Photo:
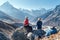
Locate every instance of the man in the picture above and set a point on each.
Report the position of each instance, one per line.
(39, 23)
(39, 32)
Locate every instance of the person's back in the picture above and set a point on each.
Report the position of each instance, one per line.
(39, 23)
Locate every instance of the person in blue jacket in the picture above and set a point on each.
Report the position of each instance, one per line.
(48, 32)
(39, 23)
(54, 30)
(51, 31)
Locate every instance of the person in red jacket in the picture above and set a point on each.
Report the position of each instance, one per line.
(26, 25)
(26, 22)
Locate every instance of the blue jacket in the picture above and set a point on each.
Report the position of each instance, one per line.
(54, 30)
(51, 31)
(39, 24)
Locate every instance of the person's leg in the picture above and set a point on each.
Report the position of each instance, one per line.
(29, 29)
(26, 29)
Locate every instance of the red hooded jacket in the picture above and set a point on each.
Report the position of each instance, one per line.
(26, 22)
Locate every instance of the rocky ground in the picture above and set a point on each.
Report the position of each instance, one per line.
(52, 37)
(12, 32)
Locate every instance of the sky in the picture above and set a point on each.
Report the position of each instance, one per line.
(32, 4)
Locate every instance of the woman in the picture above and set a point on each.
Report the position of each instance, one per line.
(26, 25)
(26, 22)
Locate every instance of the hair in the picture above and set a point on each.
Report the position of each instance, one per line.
(26, 16)
(39, 18)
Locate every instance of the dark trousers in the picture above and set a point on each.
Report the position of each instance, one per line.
(39, 27)
(28, 28)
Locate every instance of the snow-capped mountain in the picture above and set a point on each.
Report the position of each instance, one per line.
(12, 11)
(39, 12)
(54, 17)
(44, 15)
(36, 13)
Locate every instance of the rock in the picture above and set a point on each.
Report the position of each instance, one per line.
(3, 37)
(19, 35)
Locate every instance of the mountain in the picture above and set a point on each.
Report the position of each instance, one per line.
(43, 16)
(36, 13)
(12, 11)
(4, 16)
(27, 13)
(54, 18)
(51, 18)
(39, 12)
